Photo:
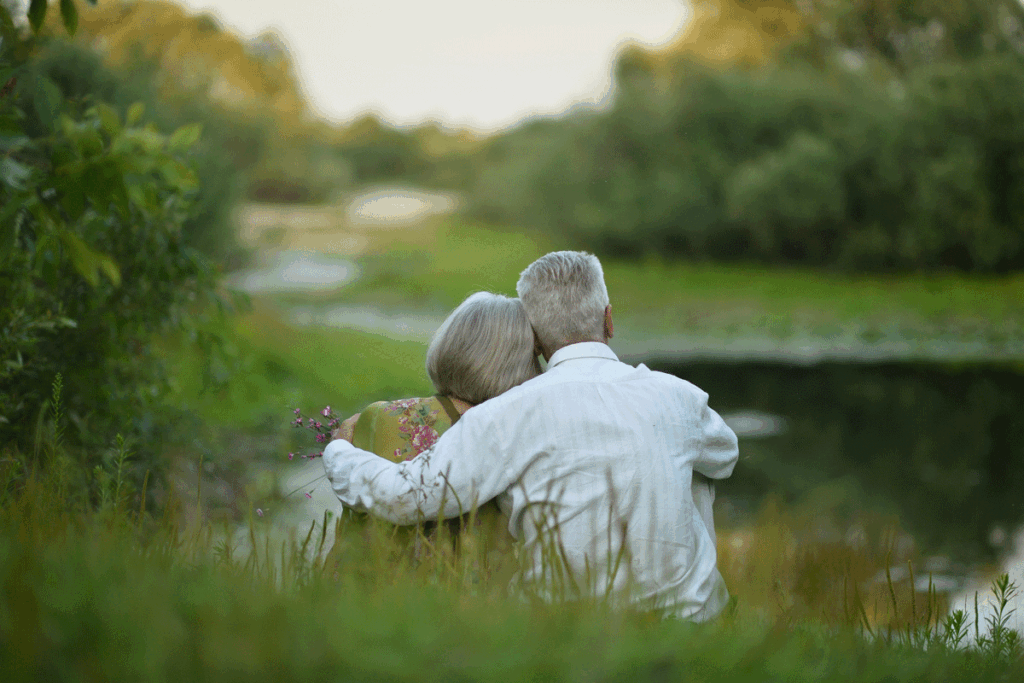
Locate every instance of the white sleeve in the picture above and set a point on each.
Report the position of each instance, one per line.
(713, 442)
(467, 466)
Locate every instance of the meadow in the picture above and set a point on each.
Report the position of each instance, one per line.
(154, 586)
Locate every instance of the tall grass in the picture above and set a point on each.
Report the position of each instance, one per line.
(103, 586)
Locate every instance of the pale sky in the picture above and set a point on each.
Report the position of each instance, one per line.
(484, 64)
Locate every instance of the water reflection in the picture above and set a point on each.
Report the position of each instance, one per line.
(296, 271)
(941, 446)
(398, 326)
(752, 424)
(398, 206)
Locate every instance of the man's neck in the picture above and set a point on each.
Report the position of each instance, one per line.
(547, 354)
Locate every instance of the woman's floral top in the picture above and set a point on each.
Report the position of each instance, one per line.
(401, 430)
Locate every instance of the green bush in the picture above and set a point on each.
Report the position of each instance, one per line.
(93, 258)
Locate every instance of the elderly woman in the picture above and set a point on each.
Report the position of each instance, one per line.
(484, 348)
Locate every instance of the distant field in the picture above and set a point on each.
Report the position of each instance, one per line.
(711, 300)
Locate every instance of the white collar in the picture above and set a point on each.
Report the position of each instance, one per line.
(581, 350)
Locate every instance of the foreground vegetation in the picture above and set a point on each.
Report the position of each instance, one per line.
(111, 591)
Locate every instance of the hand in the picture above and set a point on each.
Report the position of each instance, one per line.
(345, 429)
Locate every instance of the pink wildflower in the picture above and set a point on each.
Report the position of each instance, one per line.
(298, 422)
(309, 494)
(297, 411)
(291, 456)
(320, 438)
(423, 437)
(317, 425)
(326, 412)
(259, 512)
(310, 424)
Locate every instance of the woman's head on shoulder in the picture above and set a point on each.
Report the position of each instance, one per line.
(483, 349)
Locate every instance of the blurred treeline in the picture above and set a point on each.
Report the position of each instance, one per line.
(875, 135)
(262, 141)
(872, 135)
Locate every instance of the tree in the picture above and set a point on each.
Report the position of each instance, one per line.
(92, 259)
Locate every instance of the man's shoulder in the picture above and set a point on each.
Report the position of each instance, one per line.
(673, 383)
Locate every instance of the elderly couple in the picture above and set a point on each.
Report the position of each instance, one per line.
(607, 463)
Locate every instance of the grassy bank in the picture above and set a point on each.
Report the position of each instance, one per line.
(434, 266)
(108, 593)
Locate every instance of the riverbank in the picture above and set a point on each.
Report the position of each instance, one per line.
(412, 274)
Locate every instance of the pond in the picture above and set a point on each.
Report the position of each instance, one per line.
(940, 446)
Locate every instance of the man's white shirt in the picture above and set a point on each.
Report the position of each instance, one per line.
(590, 453)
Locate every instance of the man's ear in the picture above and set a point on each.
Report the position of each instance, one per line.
(609, 327)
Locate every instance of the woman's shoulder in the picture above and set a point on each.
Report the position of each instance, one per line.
(400, 430)
(403, 405)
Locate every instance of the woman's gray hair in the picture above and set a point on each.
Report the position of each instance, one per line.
(483, 349)
(565, 298)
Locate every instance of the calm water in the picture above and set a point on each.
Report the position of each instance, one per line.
(942, 447)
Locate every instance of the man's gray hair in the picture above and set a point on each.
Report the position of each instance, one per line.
(483, 349)
(565, 297)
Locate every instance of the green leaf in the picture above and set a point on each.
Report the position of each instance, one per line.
(186, 136)
(7, 30)
(47, 101)
(105, 184)
(72, 196)
(139, 142)
(135, 112)
(180, 175)
(89, 262)
(110, 269)
(14, 174)
(137, 196)
(109, 119)
(8, 228)
(36, 14)
(69, 13)
(84, 259)
(88, 142)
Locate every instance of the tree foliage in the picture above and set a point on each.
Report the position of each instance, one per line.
(93, 258)
(885, 135)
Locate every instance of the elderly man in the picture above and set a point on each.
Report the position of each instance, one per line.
(594, 461)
